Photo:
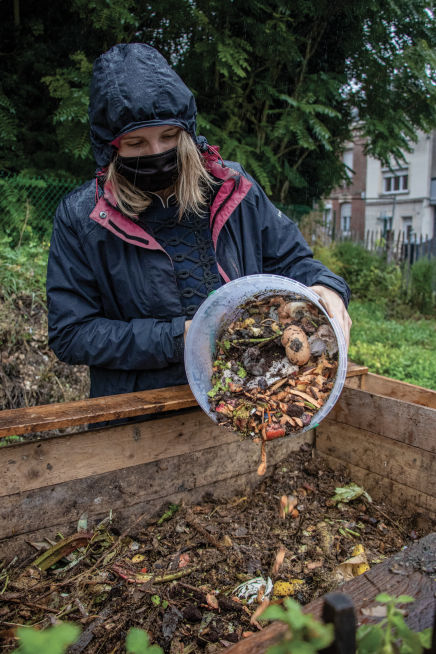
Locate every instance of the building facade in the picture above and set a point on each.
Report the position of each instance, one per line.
(344, 209)
(402, 197)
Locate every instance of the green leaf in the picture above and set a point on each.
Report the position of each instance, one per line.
(404, 599)
(274, 613)
(53, 640)
(425, 637)
(349, 493)
(369, 638)
(137, 642)
(384, 598)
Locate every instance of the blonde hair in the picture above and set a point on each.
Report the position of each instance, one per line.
(190, 188)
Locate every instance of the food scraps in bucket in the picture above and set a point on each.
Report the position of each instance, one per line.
(274, 369)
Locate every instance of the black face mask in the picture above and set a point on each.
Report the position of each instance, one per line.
(150, 172)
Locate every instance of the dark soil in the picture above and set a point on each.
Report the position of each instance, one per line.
(30, 373)
(175, 576)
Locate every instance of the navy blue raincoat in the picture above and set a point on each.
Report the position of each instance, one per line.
(113, 299)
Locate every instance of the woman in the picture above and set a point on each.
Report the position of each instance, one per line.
(136, 250)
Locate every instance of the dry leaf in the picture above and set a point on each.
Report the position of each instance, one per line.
(262, 467)
(212, 601)
(278, 561)
(312, 565)
(183, 560)
(353, 567)
(226, 541)
(375, 611)
(258, 612)
(287, 505)
(138, 558)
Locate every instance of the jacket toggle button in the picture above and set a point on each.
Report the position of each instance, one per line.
(103, 214)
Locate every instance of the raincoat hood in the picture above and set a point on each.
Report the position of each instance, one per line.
(133, 86)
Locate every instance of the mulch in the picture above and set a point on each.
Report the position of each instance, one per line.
(176, 575)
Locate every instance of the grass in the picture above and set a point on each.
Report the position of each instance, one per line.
(401, 349)
(23, 269)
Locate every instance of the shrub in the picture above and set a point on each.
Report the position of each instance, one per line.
(423, 285)
(355, 261)
(23, 269)
(328, 257)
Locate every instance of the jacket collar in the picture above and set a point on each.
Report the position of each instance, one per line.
(233, 189)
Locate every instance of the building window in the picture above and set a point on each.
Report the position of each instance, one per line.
(346, 218)
(433, 191)
(397, 182)
(327, 217)
(387, 223)
(347, 159)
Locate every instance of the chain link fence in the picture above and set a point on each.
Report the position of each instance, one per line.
(27, 206)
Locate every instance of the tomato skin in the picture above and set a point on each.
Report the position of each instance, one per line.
(274, 432)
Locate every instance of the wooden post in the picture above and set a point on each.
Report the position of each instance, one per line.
(397, 248)
(338, 609)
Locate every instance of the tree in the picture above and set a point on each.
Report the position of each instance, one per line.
(277, 84)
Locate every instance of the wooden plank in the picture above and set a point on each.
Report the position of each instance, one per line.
(400, 390)
(98, 409)
(415, 467)
(362, 591)
(52, 461)
(224, 471)
(356, 369)
(401, 421)
(113, 407)
(406, 499)
(355, 382)
(143, 481)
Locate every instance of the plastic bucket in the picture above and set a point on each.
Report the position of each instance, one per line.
(222, 307)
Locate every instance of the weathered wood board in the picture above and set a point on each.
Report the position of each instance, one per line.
(399, 390)
(387, 443)
(130, 469)
(136, 468)
(99, 409)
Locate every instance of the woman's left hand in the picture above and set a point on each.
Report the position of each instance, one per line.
(335, 308)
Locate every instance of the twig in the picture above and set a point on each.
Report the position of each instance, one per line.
(203, 532)
(33, 606)
(184, 572)
(391, 520)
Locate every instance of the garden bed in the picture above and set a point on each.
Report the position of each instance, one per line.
(230, 524)
(176, 575)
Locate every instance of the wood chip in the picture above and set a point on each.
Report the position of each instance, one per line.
(306, 397)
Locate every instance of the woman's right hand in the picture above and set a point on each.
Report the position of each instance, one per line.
(187, 325)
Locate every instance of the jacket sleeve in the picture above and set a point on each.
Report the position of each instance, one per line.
(285, 251)
(78, 331)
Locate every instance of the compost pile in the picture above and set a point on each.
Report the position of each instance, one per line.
(275, 367)
(193, 577)
(30, 372)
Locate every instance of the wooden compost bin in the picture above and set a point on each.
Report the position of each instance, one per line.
(382, 430)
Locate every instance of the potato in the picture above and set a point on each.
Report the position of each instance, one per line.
(296, 345)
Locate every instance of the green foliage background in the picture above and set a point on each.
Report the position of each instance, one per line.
(278, 84)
